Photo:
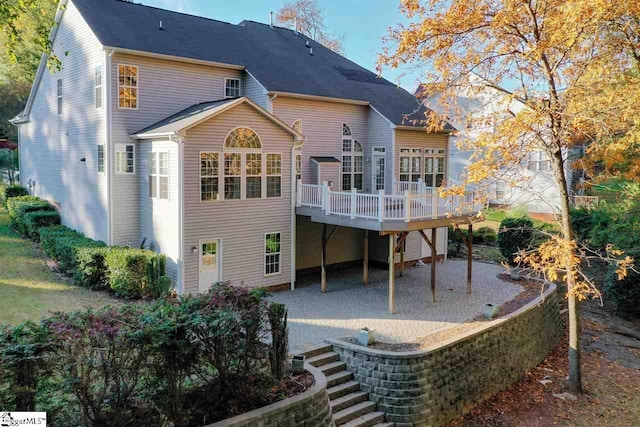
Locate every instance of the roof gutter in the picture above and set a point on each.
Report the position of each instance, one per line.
(422, 128)
(319, 98)
(174, 58)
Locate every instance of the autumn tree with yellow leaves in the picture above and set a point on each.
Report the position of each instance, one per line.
(573, 64)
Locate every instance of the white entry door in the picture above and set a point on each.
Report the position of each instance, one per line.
(378, 168)
(209, 264)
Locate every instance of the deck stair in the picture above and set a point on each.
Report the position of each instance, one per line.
(350, 406)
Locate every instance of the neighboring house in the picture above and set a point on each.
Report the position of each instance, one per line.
(532, 184)
(191, 134)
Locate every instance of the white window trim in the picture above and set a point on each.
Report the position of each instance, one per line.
(220, 176)
(382, 154)
(99, 87)
(218, 254)
(226, 79)
(118, 86)
(104, 159)
(158, 175)
(123, 148)
(59, 96)
(352, 154)
(266, 175)
(265, 254)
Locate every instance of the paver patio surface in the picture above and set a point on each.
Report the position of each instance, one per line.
(349, 305)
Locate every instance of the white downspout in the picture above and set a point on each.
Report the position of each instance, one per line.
(109, 147)
(294, 187)
(181, 261)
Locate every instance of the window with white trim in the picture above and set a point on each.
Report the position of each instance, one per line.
(538, 161)
(297, 125)
(501, 191)
(97, 86)
(272, 253)
(127, 87)
(434, 167)
(379, 165)
(405, 164)
(101, 158)
(231, 88)
(274, 175)
(125, 158)
(352, 161)
(59, 96)
(159, 175)
(209, 176)
(253, 171)
(232, 176)
(416, 164)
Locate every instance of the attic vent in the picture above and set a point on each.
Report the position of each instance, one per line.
(160, 26)
(310, 51)
(362, 76)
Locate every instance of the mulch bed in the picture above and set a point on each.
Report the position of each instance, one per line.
(532, 290)
(294, 385)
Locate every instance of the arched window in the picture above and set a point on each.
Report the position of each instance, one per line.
(352, 160)
(243, 138)
(297, 125)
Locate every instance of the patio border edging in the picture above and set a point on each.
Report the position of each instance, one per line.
(434, 385)
(309, 408)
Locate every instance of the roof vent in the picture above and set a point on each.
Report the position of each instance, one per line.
(271, 20)
(310, 51)
(160, 26)
(308, 43)
(295, 25)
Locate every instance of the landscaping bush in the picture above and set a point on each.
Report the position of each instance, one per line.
(186, 361)
(485, 236)
(19, 206)
(515, 234)
(91, 269)
(34, 221)
(12, 191)
(62, 243)
(625, 293)
(130, 271)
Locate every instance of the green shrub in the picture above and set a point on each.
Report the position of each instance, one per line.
(624, 294)
(35, 220)
(485, 236)
(12, 191)
(515, 234)
(19, 206)
(62, 243)
(129, 270)
(91, 269)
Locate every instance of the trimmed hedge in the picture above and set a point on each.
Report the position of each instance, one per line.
(91, 269)
(34, 221)
(485, 236)
(515, 234)
(19, 206)
(12, 191)
(62, 243)
(131, 272)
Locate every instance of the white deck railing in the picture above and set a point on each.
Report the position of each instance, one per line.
(380, 206)
(586, 202)
(413, 187)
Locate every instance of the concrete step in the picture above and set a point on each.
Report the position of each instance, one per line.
(384, 425)
(342, 389)
(316, 349)
(323, 359)
(348, 400)
(353, 412)
(367, 420)
(333, 367)
(339, 378)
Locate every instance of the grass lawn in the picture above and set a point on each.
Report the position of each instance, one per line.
(29, 290)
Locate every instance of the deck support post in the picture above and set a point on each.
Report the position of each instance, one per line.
(434, 259)
(402, 259)
(469, 257)
(392, 275)
(323, 260)
(365, 258)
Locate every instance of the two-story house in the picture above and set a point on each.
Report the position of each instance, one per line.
(243, 152)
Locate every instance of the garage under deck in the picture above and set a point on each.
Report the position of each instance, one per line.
(390, 215)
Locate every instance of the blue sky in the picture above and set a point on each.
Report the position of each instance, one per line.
(364, 22)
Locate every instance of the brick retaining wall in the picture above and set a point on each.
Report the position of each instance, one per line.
(432, 386)
(310, 408)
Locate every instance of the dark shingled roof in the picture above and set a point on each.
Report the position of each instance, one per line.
(277, 57)
(325, 159)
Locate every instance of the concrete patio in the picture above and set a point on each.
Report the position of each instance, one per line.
(349, 305)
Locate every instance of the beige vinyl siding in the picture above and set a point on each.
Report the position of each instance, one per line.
(254, 90)
(380, 134)
(345, 245)
(240, 224)
(164, 88)
(52, 145)
(329, 172)
(159, 223)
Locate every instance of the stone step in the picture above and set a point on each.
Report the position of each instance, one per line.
(339, 378)
(353, 412)
(367, 420)
(348, 400)
(342, 389)
(384, 425)
(316, 349)
(333, 367)
(323, 359)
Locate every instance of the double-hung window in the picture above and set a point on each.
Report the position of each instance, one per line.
(59, 97)
(538, 161)
(159, 175)
(434, 167)
(352, 161)
(101, 158)
(272, 253)
(253, 168)
(231, 88)
(405, 164)
(125, 158)
(127, 87)
(97, 86)
(232, 176)
(209, 176)
(416, 164)
(274, 175)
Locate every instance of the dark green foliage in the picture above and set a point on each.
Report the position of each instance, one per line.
(485, 236)
(625, 293)
(186, 361)
(279, 343)
(515, 234)
(34, 221)
(157, 283)
(62, 244)
(457, 241)
(91, 269)
(12, 191)
(19, 206)
(129, 270)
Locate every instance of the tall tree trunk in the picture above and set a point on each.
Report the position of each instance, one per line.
(575, 375)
